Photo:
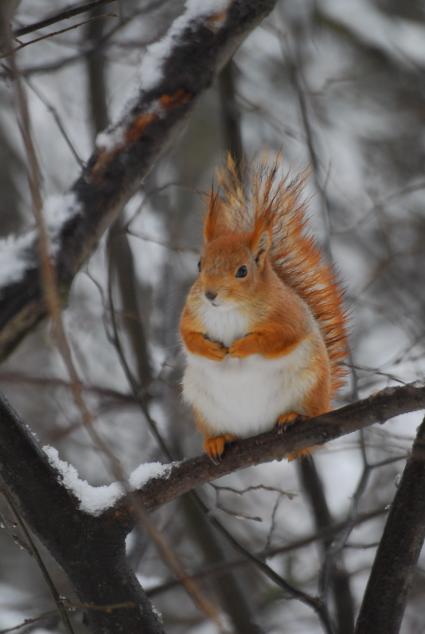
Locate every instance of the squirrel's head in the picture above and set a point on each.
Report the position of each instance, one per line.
(232, 267)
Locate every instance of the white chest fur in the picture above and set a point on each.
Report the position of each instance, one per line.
(245, 396)
(224, 325)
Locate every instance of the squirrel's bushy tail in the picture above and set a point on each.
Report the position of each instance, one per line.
(273, 200)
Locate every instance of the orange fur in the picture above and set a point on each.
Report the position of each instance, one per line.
(271, 342)
(214, 445)
(198, 343)
(276, 202)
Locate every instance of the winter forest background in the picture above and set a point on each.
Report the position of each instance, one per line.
(336, 85)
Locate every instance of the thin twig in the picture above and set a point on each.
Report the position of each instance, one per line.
(29, 621)
(12, 51)
(60, 16)
(58, 121)
(45, 573)
(221, 567)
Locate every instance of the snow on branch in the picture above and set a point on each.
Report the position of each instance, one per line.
(95, 500)
(175, 72)
(18, 253)
(156, 484)
(274, 445)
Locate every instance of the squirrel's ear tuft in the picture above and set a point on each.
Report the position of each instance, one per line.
(211, 220)
(260, 245)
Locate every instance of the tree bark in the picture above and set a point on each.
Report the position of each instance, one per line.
(385, 598)
(90, 550)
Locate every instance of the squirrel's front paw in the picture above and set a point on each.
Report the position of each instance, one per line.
(215, 350)
(241, 348)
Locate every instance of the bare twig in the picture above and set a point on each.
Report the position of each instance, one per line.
(51, 382)
(45, 573)
(60, 16)
(221, 567)
(58, 121)
(30, 621)
(47, 36)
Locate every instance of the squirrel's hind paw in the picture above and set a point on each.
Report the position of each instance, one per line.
(214, 445)
(301, 453)
(285, 421)
(289, 418)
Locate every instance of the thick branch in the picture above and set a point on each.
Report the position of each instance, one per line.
(92, 553)
(125, 155)
(185, 476)
(386, 593)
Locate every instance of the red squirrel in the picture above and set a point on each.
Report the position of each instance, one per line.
(263, 326)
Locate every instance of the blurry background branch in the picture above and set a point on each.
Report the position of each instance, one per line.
(59, 16)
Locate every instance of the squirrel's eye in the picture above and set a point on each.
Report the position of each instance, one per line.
(199, 265)
(242, 271)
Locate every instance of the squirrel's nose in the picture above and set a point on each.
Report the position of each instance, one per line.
(210, 295)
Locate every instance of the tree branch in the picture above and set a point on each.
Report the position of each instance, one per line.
(389, 582)
(126, 153)
(273, 445)
(91, 552)
(70, 12)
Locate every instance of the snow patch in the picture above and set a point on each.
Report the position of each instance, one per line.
(154, 58)
(96, 499)
(58, 209)
(114, 137)
(147, 471)
(157, 613)
(17, 252)
(158, 52)
(110, 138)
(15, 255)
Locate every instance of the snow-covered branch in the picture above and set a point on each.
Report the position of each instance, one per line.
(175, 72)
(184, 476)
(89, 550)
(156, 484)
